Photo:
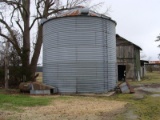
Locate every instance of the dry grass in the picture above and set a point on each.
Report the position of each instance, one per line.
(71, 108)
(117, 107)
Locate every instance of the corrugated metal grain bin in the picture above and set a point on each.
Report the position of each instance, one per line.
(79, 54)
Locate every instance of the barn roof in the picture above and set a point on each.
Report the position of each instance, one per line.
(119, 37)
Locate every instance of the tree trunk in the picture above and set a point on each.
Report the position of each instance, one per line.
(37, 51)
(26, 41)
(6, 66)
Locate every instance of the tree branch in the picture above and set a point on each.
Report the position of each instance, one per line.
(12, 14)
(37, 18)
(20, 26)
(53, 11)
(13, 40)
(38, 6)
(51, 3)
(17, 3)
(7, 26)
(6, 37)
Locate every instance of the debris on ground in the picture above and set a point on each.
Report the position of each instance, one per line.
(125, 87)
(36, 88)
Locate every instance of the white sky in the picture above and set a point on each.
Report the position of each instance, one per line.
(138, 21)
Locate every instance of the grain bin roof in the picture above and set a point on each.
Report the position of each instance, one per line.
(78, 11)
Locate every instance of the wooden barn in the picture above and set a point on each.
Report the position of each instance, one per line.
(128, 59)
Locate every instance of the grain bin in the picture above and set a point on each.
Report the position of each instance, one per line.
(79, 52)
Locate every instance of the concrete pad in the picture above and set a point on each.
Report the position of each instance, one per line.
(40, 92)
(95, 95)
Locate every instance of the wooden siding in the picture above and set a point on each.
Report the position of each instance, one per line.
(125, 53)
(128, 54)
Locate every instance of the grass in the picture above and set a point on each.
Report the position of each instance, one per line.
(150, 78)
(16, 101)
(147, 108)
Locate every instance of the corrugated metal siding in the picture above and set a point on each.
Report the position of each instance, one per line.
(79, 54)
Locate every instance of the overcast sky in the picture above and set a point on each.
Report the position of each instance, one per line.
(138, 21)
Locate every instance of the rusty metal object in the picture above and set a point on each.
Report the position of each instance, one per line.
(27, 86)
(130, 88)
(125, 87)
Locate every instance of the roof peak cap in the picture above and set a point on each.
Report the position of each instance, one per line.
(84, 10)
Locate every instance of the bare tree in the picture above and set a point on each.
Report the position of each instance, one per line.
(10, 65)
(24, 15)
(157, 40)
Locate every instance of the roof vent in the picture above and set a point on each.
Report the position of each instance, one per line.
(84, 11)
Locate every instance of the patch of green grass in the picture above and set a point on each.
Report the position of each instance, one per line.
(122, 97)
(150, 78)
(16, 101)
(148, 108)
(145, 109)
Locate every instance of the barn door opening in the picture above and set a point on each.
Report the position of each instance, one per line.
(121, 72)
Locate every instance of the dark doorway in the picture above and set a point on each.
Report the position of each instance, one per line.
(121, 72)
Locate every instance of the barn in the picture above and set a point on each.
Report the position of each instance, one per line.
(128, 59)
(79, 52)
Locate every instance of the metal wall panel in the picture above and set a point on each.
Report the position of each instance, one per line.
(79, 54)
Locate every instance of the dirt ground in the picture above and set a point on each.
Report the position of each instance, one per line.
(142, 90)
(88, 108)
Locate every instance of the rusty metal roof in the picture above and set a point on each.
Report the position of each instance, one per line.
(79, 11)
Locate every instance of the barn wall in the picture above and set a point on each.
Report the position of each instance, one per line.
(129, 55)
(137, 63)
